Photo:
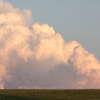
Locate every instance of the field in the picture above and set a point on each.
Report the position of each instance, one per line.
(32, 94)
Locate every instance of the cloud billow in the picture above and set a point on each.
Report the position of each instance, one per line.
(39, 58)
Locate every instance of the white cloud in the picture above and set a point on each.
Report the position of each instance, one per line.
(37, 57)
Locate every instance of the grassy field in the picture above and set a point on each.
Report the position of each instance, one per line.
(33, 94)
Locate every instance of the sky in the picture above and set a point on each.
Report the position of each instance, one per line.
(49, 44)
(77, 20)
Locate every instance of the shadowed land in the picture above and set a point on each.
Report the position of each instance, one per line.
(46, 94)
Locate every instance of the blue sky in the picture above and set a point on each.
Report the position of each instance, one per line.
(77, 20)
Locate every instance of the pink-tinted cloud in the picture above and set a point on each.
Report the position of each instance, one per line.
(37, 57)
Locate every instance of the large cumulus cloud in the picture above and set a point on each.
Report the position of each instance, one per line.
(37, 57)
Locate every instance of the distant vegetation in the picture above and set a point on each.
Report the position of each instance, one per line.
(32, 94)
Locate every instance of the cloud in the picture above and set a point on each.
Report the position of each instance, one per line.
(37, 57)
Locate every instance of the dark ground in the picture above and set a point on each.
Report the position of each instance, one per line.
(33, 94)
